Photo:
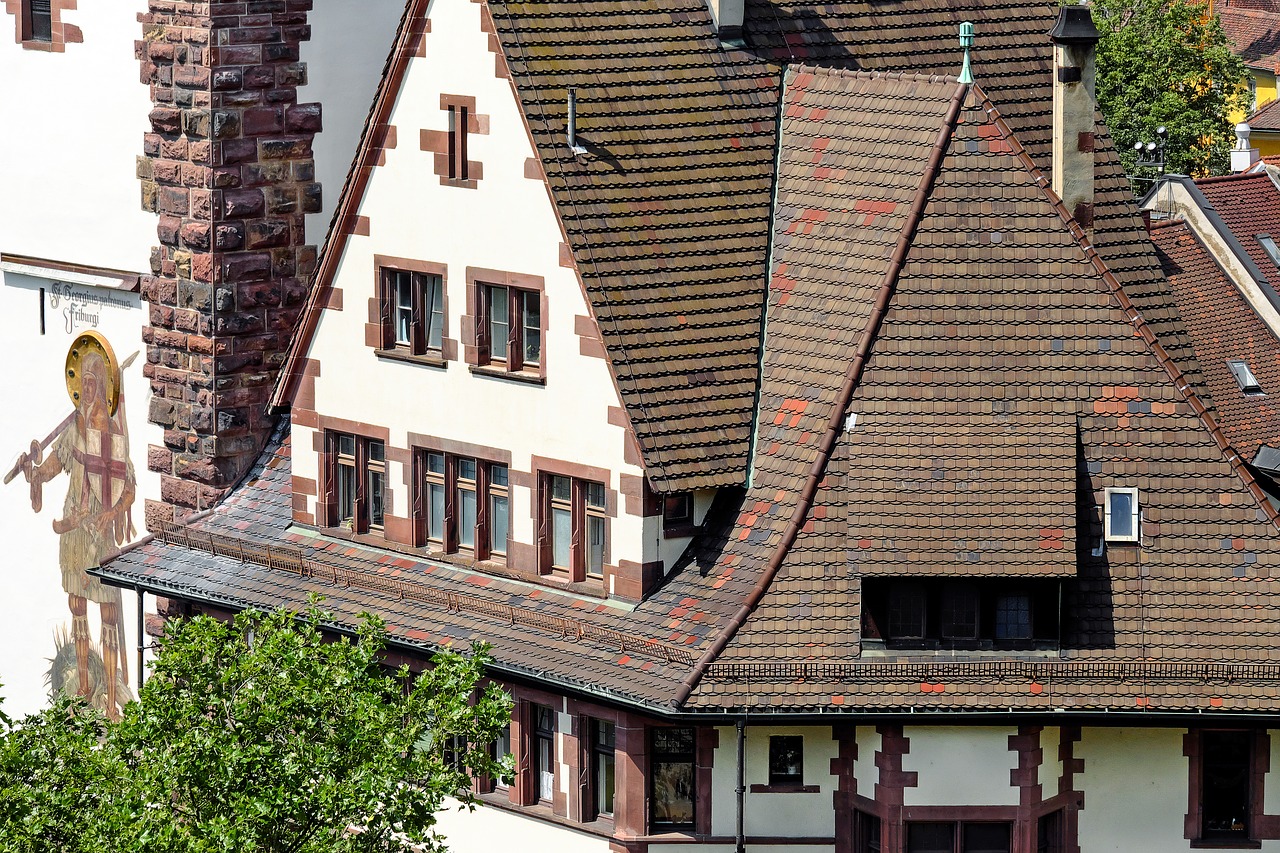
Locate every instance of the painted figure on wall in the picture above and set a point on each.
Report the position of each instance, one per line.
(92, 447)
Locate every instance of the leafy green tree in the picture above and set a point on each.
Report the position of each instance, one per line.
(1168, 63)
(260, 735)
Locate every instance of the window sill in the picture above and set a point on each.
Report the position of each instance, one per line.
(426, 359)
(509, 375)
(1225, 844)
(786, 789)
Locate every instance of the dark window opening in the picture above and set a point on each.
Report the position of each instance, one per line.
(458, 142)
(672, 788)
(967, 837)
(978, 614)
(40, 15)
(602, 767)
(357, 475)
(1050, 833)
(786, 760)
(866, 833)
(1226, 763)
(677, 513)
(543, 753)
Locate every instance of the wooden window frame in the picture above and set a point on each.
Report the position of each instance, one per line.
(362, 467)
(450, 480)
(677, 515)
(1259, 759)
(580, 511)
(422, 312)
(514, 359)
(957, 831)
(459, 117)
(595, 752)
(535, 736)
(933, 596)
(691, 758)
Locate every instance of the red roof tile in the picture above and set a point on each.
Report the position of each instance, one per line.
(1255, 34)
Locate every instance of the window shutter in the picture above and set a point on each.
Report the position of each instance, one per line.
(386, 302)
(515, 329)
(544, 511)
(325, 514)
(482, 511)
(41, 25)
(577, 549)
(450, 503)
(417, 333)
(419, 489)
(360, 523)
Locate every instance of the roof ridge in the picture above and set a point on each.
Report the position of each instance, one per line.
(858, 73)
(853, 374)
(1238, 176)
(1140, 327)
(411, 27)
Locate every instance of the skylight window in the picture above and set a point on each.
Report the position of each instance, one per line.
(1244, 376)
(1122, 515)
(1273, 251)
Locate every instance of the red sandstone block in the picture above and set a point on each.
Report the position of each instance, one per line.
(259, 77)
(239, 150)
(202, 267)
(158, 51)
(228, 235)
(180, 493)
(191, 77)
(304, 118)
(247, 54)
(173, 149)
(172, 200)
(253, 35)
(201, 152)
(241, 203)
(202, 202)
(246, 267)
(262, 120)
(196, 235)
(227, 79)
(159, 459)
(165, 119)
(167, 230)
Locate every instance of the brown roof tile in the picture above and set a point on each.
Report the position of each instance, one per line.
(1255, 34)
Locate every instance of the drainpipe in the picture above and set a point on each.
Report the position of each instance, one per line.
(141, 636)
(740, 844)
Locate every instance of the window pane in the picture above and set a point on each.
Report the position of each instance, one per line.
(467, 518)
(866, 833)
(595, 545)
(347, 445)
(532, 335)
(1013, 617)
(546, 770)
(498, 475)
(346, 493)
(673, 741)
(377, 451)
(986, 838)
(543, 720)
(677, 509)
(435, 463)
(498, 325)
(404, 306)
(929, 837)
(561, 488)
(604, 782)
(906, 611)
(1225, 768)
(604, 735)
(1121, 512)
(467, 469)
(435, 308)
(375, 497)
(561, 537)
(435, 511)
(673, 792)
(959, 612)
(786, 759)
(595, 495)
(498, 520)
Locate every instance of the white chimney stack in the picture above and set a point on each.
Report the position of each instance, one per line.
(1075, 75)
(1242, 156)
(727, 15)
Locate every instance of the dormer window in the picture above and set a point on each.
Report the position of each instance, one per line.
(1272, 250)
(1122, 517)
(1244, 376)
(934, 613)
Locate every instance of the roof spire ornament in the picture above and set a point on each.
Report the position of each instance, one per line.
(966, 42)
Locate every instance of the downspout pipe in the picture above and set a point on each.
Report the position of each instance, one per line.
(138, 590)
(740, 839)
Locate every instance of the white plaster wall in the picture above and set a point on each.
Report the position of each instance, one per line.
(508, 223)
(71, 132)
(34, 604)
(865, 771)
(1050, 770)
(769, 814)
(960, 766)
(491, 829)
(1135, 784)
(350, 40)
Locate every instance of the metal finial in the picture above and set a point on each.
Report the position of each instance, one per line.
(966, 42)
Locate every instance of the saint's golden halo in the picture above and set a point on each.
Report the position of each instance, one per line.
(82, 348)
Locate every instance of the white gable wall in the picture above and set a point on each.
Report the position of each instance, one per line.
(507, 223)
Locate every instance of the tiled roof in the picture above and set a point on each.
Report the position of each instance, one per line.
(665, 212)
(999, 315)
(1255, 33)
(1266, 118)
(1272, 6)
(1223, 327)
(1249, 204)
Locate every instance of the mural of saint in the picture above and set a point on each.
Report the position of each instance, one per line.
(92, 448)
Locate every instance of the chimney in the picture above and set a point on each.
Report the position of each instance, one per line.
(1242, 156)
(1074, 38)
(727, 16)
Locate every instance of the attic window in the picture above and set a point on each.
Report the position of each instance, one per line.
(1244, 376)
(1122, 515)
(1273, 251)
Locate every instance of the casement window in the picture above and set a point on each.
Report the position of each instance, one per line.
(677, 514)
(462, 504)
(672, 785)
(357, 473)
(1051, 833)
(499, 749)
(39, 20)
(542, 752)
(602, 760)
(574, 528)
(932, 613)
(1225, 764)
(455, 753)
(1122, 518)
(959, 837)
(412, 312)
(458, 115)
(786, 760)
(509, 327)
(866, 832)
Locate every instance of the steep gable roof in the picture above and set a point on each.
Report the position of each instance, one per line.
(1255, 34)
(1000, 321)
(1249, 204)
(1223, 328)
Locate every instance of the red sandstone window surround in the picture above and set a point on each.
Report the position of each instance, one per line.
(39, 24)
(461, 503)
(356, 473)
(1225, 797)
(412, 312)
(509, 327)
(573, 527)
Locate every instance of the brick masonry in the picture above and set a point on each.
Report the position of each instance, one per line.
(229, 169)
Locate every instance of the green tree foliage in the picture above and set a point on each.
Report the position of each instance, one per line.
(1166, 62)
(256, 735)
